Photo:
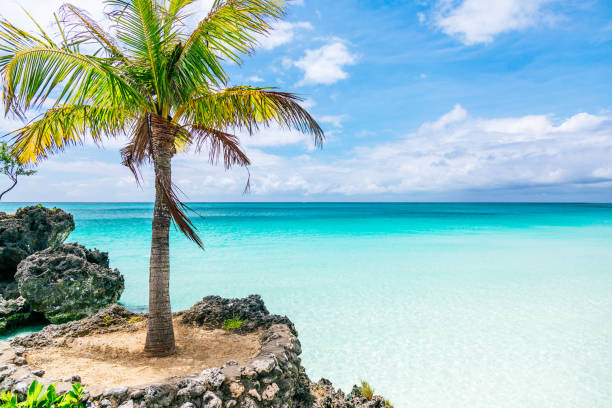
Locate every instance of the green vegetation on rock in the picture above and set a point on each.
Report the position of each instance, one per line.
(66, 317)
(233, 323)
(366, 390)
(135, 319)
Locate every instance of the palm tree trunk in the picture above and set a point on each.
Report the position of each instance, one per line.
(160, 333)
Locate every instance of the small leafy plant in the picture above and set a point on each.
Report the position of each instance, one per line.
(388, 404)
(366, 390)
(106, 320)
(39, 397)
(135, 319)
(233, 323)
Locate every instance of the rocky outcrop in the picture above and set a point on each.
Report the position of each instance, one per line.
(110, 319)
(212, 311)
(68, 282)
(326, 396)
(13, 312)
(274, 378)
(31, 229)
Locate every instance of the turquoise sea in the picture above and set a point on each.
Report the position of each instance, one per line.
(436, 305)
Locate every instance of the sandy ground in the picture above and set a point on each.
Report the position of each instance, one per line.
(115, 359)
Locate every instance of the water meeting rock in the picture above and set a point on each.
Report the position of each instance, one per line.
(29, 230)
(13, 312)
(68, 282)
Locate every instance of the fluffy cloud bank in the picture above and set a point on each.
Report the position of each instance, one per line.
(457, 152)
(460, 152)
(479, 21)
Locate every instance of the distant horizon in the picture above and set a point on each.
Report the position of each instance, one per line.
(314, 202)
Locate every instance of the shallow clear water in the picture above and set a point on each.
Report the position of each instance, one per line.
(436, 305)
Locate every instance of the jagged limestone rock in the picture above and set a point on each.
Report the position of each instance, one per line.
(29, 230)
(68, 282)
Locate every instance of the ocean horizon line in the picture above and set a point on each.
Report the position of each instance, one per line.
(320, 202)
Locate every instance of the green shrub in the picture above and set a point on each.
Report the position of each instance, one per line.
(366, 390)
(135, 319)
(233, 323)
(388, 404)
(38, 397)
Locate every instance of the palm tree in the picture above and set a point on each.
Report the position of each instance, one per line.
(155, 82)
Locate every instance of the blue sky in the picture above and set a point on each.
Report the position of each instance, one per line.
(459, 100)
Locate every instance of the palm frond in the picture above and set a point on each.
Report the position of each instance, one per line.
(175, 11)
(232, 26)
(140, 29)
(65, 126)
(249, 108)
(80, 27)
(177, 210)
(32, 68)
(229, 30)
(219, 144)
(138, 151)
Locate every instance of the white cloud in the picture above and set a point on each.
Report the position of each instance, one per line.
(325, 65)
(334, 120)
(457, 114)
(282, 32)
(479, 21)
(461, 152)
(255, 78)
(456, 152)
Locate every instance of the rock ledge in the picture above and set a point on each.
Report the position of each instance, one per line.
(273, 378)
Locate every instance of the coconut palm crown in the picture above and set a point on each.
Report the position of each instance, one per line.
(155, 81)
